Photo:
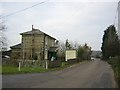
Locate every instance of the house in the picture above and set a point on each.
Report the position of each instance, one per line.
(16, 51)
(6, 54)
(5, 57)
(35, 45)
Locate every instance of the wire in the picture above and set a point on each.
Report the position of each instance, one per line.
(23, 9)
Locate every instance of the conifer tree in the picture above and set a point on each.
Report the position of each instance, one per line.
(110, 45)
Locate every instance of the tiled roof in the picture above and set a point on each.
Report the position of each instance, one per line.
(18, 46)
(35, 31)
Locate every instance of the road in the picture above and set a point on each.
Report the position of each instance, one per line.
(91, 74)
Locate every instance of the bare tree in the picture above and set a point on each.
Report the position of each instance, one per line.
(3, 39)
(61, 51)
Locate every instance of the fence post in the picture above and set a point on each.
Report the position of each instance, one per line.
(46, 64)
(19, 66)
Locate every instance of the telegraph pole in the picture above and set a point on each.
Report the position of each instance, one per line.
(119, 19)
(32, 51)
(119, 34)
(23, 49)
(119, 27)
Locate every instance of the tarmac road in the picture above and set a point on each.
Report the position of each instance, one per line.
(91, 74)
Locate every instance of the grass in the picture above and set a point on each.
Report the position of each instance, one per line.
(0, 69)
(116, 67)
(14, 70)
(9, 69)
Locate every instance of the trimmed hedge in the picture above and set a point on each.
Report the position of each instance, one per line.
(73, 61)
(54, 64)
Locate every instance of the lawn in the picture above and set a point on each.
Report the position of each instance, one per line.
(14, 70)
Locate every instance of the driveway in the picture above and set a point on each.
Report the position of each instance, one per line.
(91, 74)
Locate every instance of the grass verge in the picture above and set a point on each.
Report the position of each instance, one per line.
(0, 69)
(9, 69)
(14, 70)
(114, 62)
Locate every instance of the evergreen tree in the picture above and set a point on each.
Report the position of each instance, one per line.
(110, 45)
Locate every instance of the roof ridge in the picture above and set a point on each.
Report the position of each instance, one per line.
(36, 31)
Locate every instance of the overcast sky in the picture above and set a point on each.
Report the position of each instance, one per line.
(75, 20)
